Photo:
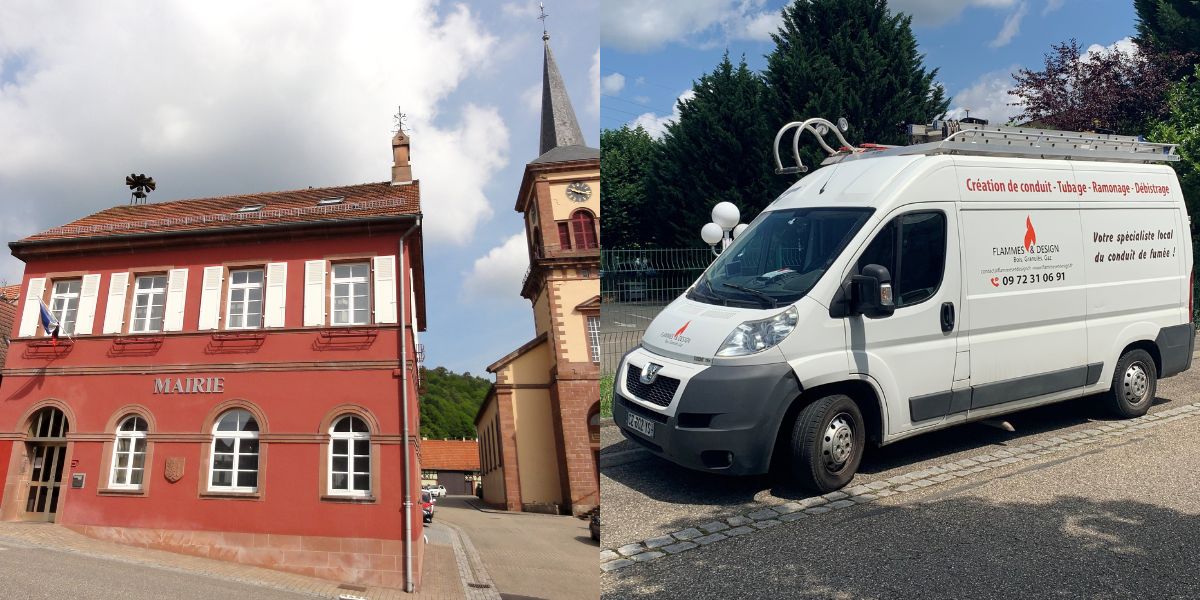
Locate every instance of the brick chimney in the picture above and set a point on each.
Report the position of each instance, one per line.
(401, 169)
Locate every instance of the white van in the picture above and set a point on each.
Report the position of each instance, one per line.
(907, 289)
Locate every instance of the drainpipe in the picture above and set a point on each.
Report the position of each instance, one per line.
(402, 276)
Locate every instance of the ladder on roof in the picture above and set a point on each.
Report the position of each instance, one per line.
(955, 137)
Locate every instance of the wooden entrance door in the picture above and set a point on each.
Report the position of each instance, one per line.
(45, 480)
(46, 448)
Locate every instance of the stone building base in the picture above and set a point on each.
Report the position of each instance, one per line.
(362, 561)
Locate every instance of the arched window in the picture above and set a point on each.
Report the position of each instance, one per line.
(129, 453)
(234, 453)
(583, 228)
(350, 457)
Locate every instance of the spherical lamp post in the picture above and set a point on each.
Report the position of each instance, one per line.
(724, 227)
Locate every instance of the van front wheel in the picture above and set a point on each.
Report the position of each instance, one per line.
(1134, 384)
(827, 443)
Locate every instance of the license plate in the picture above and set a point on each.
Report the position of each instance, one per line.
(640, 424)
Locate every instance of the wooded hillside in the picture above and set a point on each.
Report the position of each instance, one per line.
(450, 402)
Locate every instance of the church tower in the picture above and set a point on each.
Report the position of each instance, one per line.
(552, 381)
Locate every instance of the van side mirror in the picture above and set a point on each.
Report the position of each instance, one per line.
(871, 292)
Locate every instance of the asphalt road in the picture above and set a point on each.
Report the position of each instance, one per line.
(1112, 520)
(30, 572)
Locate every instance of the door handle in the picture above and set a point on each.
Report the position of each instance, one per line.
(947, 316)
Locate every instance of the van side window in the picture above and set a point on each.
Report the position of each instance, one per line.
(919, 240)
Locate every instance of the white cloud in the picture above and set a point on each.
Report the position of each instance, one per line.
(1051, 6)
(1124, 45)
(645, 25)
(531, 98)
(281, 97)
(612, 84)
(987, 98)
(520, 10)
(1011, 27)
(656, 125)
(933, 13)
(497, 275)
(594, 77)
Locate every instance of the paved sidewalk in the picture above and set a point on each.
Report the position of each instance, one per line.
(441, 581)
(529, 555)
(1112, 514)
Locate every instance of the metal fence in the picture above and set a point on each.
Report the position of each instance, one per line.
(634, 286)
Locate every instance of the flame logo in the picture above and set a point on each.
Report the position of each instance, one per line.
(682, 329)
(1030, 234)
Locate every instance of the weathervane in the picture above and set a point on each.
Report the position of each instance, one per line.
(542, 18)
(400, 122)
(140, 185)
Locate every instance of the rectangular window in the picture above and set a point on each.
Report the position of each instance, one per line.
(64, 304)
(351, 294)
(149, 301)
(564, 235)
(913, 249)
(245, 299)
(593, 330)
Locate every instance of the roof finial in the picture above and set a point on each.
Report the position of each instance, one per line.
(542, 18)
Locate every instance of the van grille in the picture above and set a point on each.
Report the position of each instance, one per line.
(659, 393)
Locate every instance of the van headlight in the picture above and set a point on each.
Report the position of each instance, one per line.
(756, 336)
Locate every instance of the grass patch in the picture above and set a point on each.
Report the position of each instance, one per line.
(606, 395)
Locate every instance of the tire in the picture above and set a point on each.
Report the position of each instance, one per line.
(1135, 381)
(827, 443)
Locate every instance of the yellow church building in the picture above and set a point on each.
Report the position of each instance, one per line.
(539, 426)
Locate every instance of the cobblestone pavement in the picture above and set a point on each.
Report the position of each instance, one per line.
(750, 526)
(528, 555)
(39, 560)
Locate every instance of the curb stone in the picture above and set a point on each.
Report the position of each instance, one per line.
(772, 516)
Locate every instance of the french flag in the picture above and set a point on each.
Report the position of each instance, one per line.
(50, 324)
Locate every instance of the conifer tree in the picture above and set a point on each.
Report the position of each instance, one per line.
(718, 150)
(625, 156)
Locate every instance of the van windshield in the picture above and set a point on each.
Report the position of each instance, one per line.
(779, 257)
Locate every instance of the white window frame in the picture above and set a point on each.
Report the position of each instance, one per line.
(593, 331)
(334, 280)
(246, 287)
(133, 436)
(238, 437)
(153, 292)
(350, 437)
(67, 298)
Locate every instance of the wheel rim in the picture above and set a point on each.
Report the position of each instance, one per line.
(1135, 385)
(837, 444)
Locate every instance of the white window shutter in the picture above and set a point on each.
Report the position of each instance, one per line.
(32, 311)
(314, 293)
(385, 289)
(86, 316)
(114, 311)
(275, 300)
(210, 298)
(176, 299)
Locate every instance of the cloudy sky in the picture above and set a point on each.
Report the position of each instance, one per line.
(220, 97)
(654, 49)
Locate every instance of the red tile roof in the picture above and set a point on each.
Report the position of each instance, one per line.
(8, 316)
(296, 206)
(450, 455)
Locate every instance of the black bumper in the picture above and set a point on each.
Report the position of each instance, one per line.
(726, 420)
(1175, 347)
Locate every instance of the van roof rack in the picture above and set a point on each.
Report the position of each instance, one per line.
(956, 137)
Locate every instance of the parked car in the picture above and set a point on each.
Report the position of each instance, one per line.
(914, 288)
(427, 506)
(438, 491)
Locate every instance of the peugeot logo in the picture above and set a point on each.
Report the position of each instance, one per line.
(650, 373)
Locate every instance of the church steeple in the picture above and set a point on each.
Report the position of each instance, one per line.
(559, 125)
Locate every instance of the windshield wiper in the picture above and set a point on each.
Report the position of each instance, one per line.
(771, 301)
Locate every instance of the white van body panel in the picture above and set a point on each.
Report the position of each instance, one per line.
(1053, 268)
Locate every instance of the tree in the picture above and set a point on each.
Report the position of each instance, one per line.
(450, 402)
(718, 150)
(625, 156)
(1182, 126)
(1168, 26)
(853, 59)
(1107, 90)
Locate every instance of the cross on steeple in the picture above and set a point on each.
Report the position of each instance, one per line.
(542, 18)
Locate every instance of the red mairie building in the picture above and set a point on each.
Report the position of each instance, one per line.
(233, 377)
